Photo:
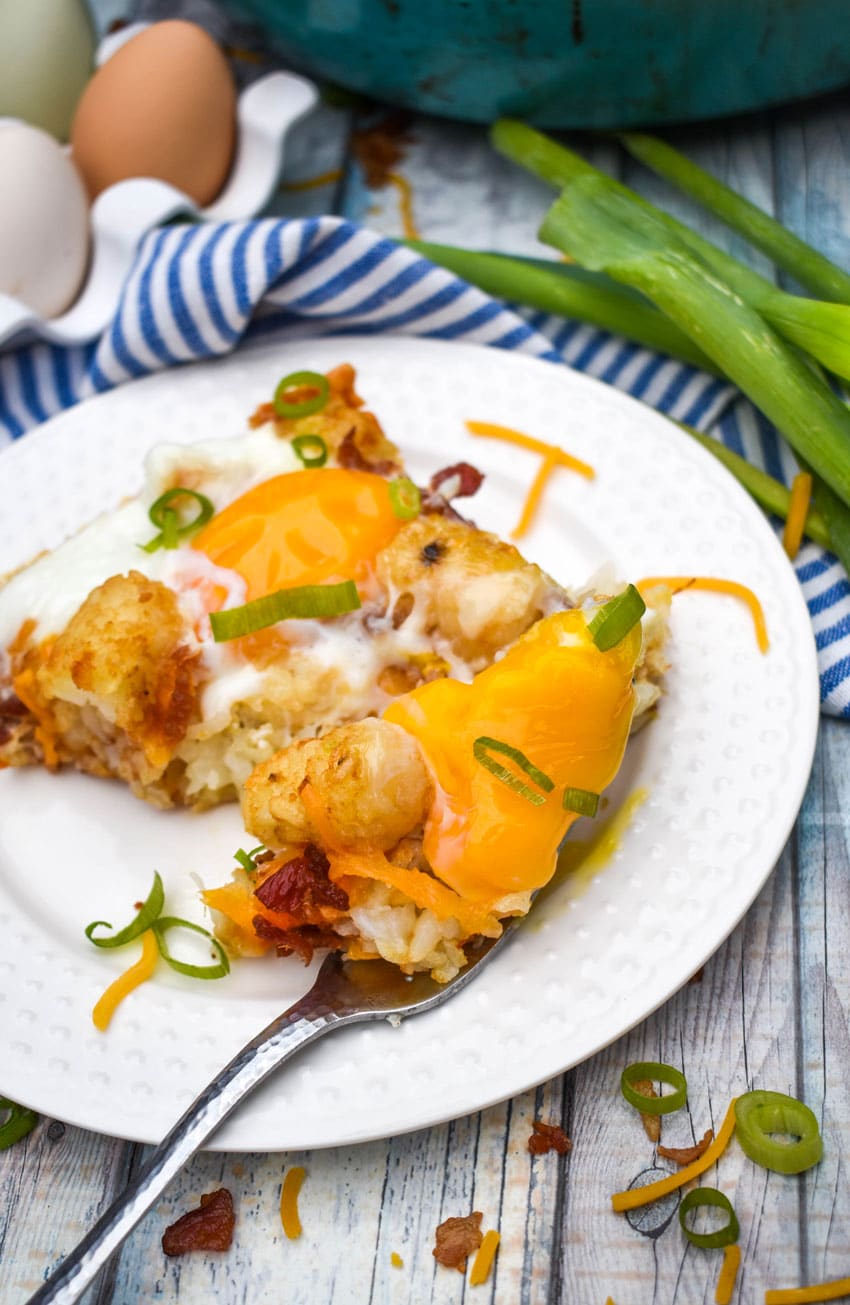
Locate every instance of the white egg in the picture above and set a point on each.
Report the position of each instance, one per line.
(44, 227)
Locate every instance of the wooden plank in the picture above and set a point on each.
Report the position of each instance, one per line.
(53, 1186)
(824, 1082)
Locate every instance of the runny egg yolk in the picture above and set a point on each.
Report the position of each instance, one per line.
(559, 700)
(305, 527)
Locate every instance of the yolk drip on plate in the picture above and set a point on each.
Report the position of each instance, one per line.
(559, 700)
(305, 527)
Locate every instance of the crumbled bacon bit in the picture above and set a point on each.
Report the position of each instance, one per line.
(380, 149)
(468, 478)
(685, 1155)
(456, 1239)
(208, 1228)
(349, 456)
(11, 707)
(548, 1137)
(651, 1123)
(302, 885)
(304, 940)
(265, 412)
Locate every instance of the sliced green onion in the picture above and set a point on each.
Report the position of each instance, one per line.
(405, 498)
(311, 450)
(724, 1236)
(613, 621)
(304, 602)
(161, 928)
(655, 1071)
(21, 1121)
(781, 245)
(150, 910)
(481, 749)
(167, 520)
(302, 381)
(760, 1114)
(246, 859)
(581, 801)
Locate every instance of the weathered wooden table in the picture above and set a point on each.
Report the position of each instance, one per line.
(772, 1008)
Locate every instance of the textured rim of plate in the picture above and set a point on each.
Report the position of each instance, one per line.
(25, 1077)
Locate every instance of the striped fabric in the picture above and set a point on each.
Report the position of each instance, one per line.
(197, 291)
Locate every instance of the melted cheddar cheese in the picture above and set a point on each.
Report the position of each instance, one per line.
(559, 700)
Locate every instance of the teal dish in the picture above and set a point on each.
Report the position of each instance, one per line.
(565, 63)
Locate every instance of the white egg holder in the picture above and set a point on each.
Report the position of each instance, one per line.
(124, 213)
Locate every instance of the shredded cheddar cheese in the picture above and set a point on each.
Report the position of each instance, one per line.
(534, 495)
(24, 686)
(144, 967)
(396, 1261)
(314, 183)
(484, 1257)
(637, 1196)
(712, 584)
(552, 457)
(405, 205)
(727, 1275)
(798, 510)
(289, 1215)
(806, 1295)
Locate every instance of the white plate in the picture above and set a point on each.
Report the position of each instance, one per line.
(725, 765)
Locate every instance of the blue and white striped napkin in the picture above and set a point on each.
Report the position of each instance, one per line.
(196, 291)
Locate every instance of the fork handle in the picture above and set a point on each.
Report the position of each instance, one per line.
(302, 1024)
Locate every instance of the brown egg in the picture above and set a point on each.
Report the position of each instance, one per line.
(163, 106)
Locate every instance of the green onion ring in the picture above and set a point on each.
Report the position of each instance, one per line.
(481, 749)
(21, 1121)
(149, 912)
(613, 621)
(246, 859)
(304, 602)
(759, 1114)
(654, 1071)
(166, 519)
(581, 801)
(405, 498)
(301, 446)
(301, 380)
(724, 1236)
(161, 927)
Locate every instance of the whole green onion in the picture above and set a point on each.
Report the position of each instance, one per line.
(655, 1072)
(310, 450)
(581, 801)
(481, 749)
(304, 602)
(568, 291)
(701, 1196)
(605, 229)
(822, 329)
(788, 251)
(150, 910)
(20, 1121)
(303, 407)
(215, 971)
(612, 622)
(167, 520)
(758, 1115)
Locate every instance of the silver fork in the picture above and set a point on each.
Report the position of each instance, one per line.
(345, 992)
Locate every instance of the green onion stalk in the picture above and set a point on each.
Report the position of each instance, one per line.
(788, 251)
(821, 329)
(568, 291)
(605, 229)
